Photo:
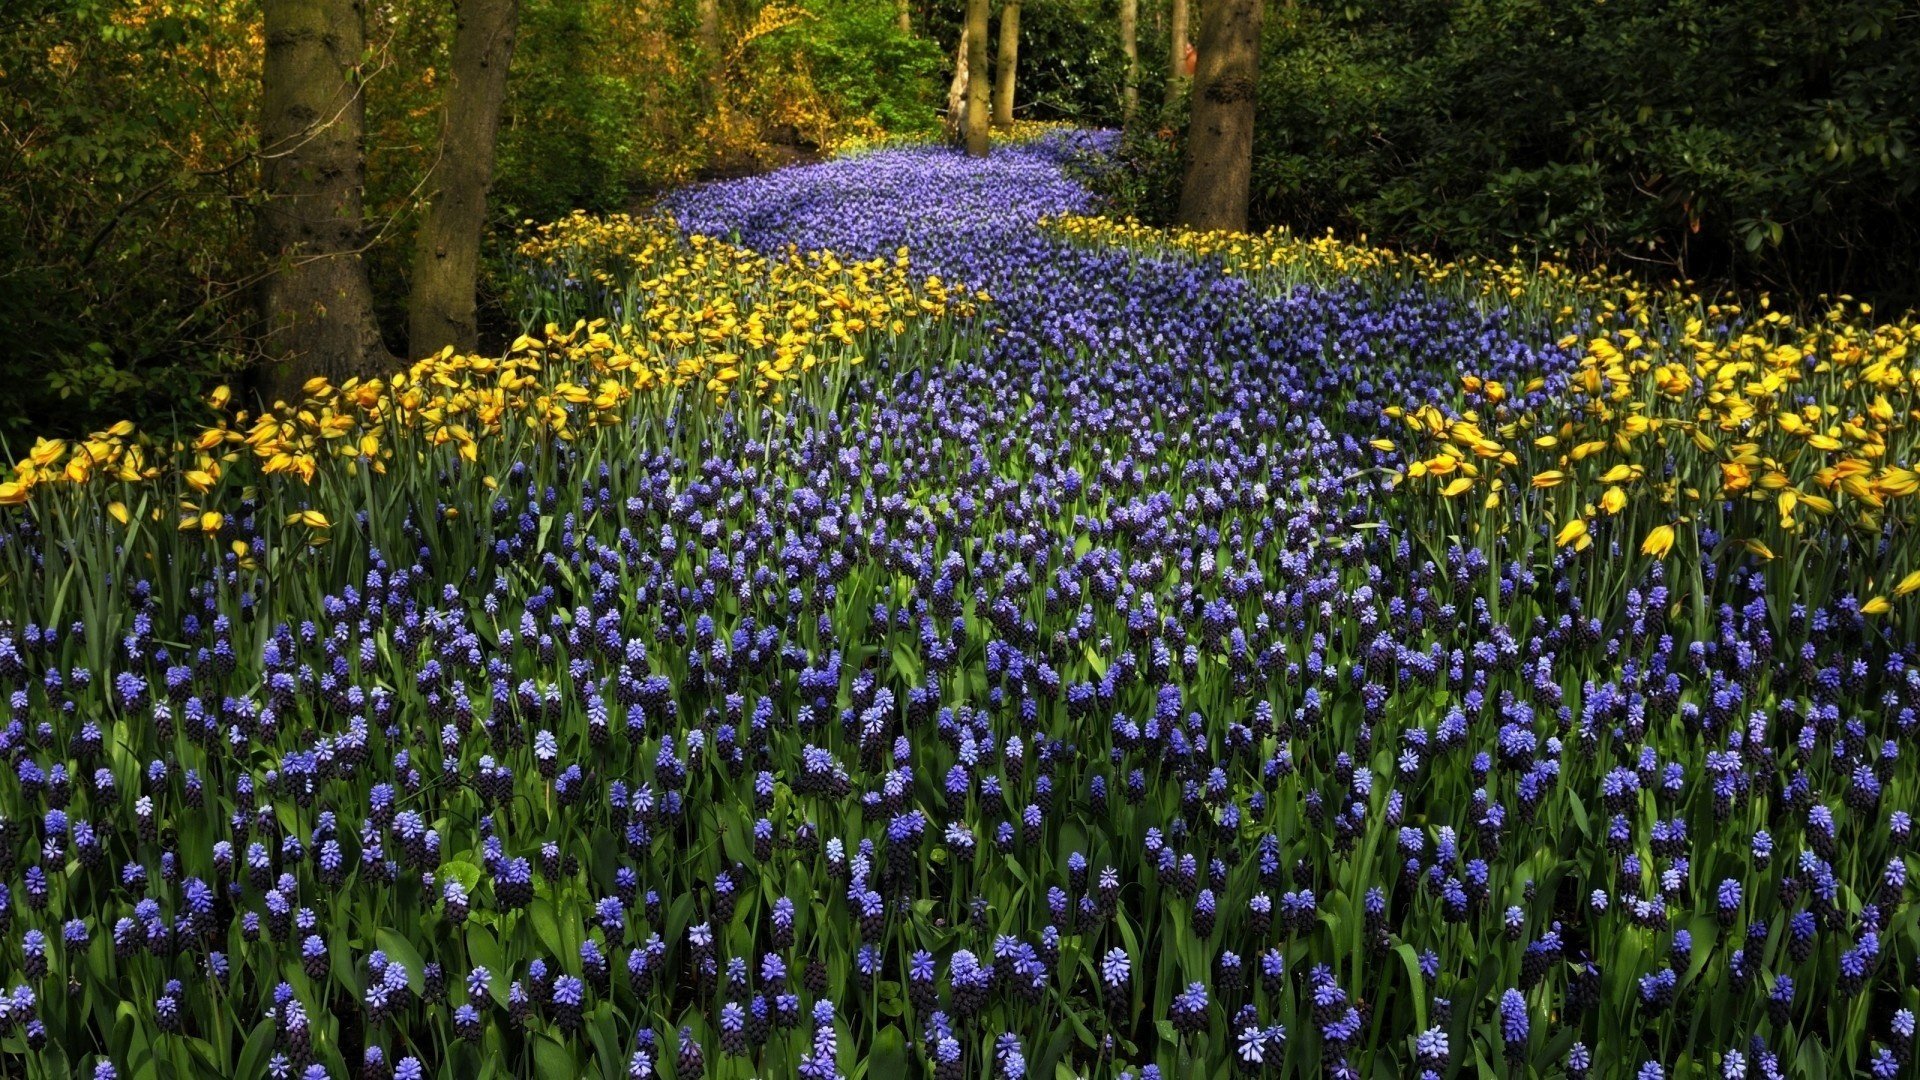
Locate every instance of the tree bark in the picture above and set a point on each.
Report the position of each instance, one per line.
(1009, 63)
(446, 258)
(1177, 52)
(978, 106)
(316, 306)
(906, 20)
(1130, 48)
(712, 60)
(708, 14)
(957, 89)
(1220, 134)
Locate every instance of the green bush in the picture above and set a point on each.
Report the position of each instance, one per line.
(1763, 141)
(865, 67)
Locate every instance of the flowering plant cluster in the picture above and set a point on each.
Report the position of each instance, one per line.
(1086, 687)
(653, 316)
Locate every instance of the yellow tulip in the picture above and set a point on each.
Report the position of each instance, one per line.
(1574, 532)
(1658, 542)
(1908, 584)
(1879, 605)
(1456, 486)
(118, 511)
(1613, 501)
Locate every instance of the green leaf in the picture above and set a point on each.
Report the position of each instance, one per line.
(888, 1060)
(552, 1061)
(253, 1056)
(467, 874)
(1813, 1060)
(401, 951)
(1419, 981)
(546, 927)
(1095, 661)
(484, 952)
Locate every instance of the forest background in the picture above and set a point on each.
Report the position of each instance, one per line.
(1761, 143)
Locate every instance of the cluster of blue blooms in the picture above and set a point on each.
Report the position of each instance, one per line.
(1077, 702)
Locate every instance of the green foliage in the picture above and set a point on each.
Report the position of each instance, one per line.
(1141, 178)
(118, 178)
(1071, 66)
(128, 178)
(599, 109)
(867, 68)
(1766, 141)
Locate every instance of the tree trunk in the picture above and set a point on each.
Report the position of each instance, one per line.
(707, 14)
(1177, 52)
(1130, 48)
(1009, 62)
(906, 20)
(446, 258)
(315, 303)
(957, 89)
(1220, 135)
(978, 106)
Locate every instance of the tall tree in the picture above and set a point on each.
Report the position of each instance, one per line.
(707, 14)
(315, 301)
(446, 255)
(1130, 47)
(1009, 62)
(1220, 133)
(957, 89)
(906, 20)
(977, 86)
(1177, 46)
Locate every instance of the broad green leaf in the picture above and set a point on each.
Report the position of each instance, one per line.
(401, 951)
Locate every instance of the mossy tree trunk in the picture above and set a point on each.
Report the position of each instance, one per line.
(446, 264)
(707, 16)
(1130, 48)
(1008, 65)
(1177, 42)
(957, 89)
(1220, 134)
(978, 87)
(316, 306)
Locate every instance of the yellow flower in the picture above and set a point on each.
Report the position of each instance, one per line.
(1879, 605)
(1574, 532)
(118, 510)
(1658, 542)
(1613, 501)
(1457, 485)
(1908, 584)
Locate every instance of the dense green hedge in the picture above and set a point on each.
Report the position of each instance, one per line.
(1772, 141)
